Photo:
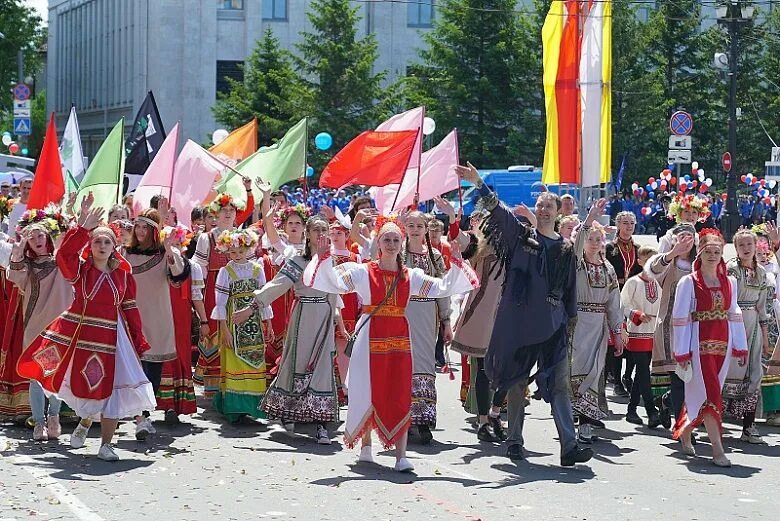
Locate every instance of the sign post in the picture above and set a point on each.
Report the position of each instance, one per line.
(680, 142)
(22, 110)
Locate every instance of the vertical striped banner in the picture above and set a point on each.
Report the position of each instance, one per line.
(552, 32)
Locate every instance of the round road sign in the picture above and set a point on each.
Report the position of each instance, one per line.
(681, 123)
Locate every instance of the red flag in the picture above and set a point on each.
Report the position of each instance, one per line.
(48, 185)
(374, 158)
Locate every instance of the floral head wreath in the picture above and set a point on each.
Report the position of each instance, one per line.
(51, 218)
(389, 223)
(282, 215)
(688, 202)
(223, 200)
(236, 239)
(708, 235)
(180, 234)
(760, 230)
(594, 227)
(6, 204)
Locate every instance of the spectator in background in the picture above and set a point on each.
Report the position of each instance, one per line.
(568, 205)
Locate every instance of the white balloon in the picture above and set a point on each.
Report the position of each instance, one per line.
(429, 126)
(695, 166)
(772, 183)
(219, 136)
(7, 139)
(708, 181)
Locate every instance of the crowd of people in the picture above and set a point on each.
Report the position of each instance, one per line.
(302, 305)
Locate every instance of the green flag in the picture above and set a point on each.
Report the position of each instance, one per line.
(280, 163)
(71, 185)
(104, 175)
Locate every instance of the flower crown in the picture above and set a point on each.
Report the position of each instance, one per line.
(689, 202)
(383, 220)
(236, 239)
(760, 230)
(707, 234)
(282, 215)
(223, 200)
(180, 234)
(51, 218)
(6, 204)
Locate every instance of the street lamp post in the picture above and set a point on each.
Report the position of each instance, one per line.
(732, 15)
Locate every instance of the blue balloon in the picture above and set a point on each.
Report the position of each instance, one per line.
(687, 178)
(323, 141)
(309, 171)
(651, 195)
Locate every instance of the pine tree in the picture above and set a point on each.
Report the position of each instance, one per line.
(338, 70)
(270, 91)
(478, 76)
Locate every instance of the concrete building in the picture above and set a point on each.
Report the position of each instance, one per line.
(104, 55)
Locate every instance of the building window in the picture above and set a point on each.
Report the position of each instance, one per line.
(274, 9)
(420, 13)
(228, 69)
(230, 4)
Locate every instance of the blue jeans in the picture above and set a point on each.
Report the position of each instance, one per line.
(38, 403)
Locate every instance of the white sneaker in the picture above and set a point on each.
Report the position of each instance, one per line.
(366, 454)
(53, 427)
(585, 433)
(403, 465)
(106, 453)
(322, 435)
(79, 436)
(773, 421)
(150, 426)
(40, 433)
(752, 436)
(142, 430)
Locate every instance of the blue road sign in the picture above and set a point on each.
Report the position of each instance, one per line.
(22, 126)
(681, 123)
(21, 92)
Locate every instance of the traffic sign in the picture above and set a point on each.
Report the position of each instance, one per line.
(680, 142)
(682, 157)
(21, 92)
(21, 113)
(22, 104)
(681, 123)
(726, 161)
(22, 126)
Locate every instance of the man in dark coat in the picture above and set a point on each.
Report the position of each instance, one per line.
(538, 302)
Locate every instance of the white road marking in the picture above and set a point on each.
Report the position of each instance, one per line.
(65, 497)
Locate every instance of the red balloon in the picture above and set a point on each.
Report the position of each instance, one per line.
(651, 180)
(767, 200)
(724, 196)
(13, 148)
(667, 171)
(673, 180)
(763, 182)
(743, 178)
(683, 186)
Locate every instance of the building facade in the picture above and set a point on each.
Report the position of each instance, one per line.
(105, 55)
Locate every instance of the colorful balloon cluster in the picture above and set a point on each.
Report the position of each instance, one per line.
(761, 187)
(666, 180)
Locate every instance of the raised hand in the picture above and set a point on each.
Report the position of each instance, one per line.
(86, 204)
(323, 245)
(682, 246)
(328, 212)
(92, 218)
(445, 207)
(468, 173)
(773, 233)
(596, 211)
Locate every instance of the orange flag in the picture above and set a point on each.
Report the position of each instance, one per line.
(48, 185)
(239, 145)
(374, 158)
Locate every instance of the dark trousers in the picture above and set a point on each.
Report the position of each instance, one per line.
(641, 385)
(440, 349)
(614, 365)
(153, 371)
(676, 394)
(482, 390)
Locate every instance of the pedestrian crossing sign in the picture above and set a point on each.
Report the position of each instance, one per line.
(22, 126)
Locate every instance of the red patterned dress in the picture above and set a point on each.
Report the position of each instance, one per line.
(349, 314)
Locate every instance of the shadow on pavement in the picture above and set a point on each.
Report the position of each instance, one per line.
(527, 472)
(377, 472)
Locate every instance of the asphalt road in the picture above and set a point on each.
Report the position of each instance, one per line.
(205, 468)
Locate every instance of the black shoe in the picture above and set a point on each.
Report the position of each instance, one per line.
(633, 417)
(693, 438)
(576, 455)
(485, 433)
(171, 418)
(666, 418)
(627, 382)
(498, 427)
(425, 434)
(597, 424)
(515, 452)
(653, 420)
(620, 390)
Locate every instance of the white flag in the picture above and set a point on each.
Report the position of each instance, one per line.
(70, 150)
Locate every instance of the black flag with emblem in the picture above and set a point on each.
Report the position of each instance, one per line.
(146, 137)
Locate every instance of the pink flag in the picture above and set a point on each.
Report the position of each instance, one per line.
(437, 176)
(409, 120)
(158, 178)
(193, 177)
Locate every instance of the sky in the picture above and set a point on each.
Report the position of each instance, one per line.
(42, 6)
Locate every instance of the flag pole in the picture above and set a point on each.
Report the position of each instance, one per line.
(173, 169)
(121, 175)
(419, 162)
(457, 154)
(398, 192)
(305, 162)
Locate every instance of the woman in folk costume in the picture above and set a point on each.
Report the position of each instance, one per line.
(89, 355)
(304, 390)
(156, 267)
(242, 346)
(380, 372)
(474, 327)
(743, 382)
(281, 246)
(45, 294)
(598, 314)
(708, 332)
(425, 315)
(767, 260)
(668, 268)
(211, 261)
(684, 209)
(176, 394)
(770, 383)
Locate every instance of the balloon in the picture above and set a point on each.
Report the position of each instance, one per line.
(429, 126)
(772, 183)
(767, 200)
(25, 151)
(694, 166)
(7, 139)
(666, 171)
(683, 186)
(648, 187)
(743, 178)
(219, 135)
(708, 181)
(309, 171)
(634, 186)
(762, 182)
(651, 180)
(654, 184)
(13, 148)
(636, 191)
(724, 196)
(323, 141)
(687, 178)
(673, 181)
(694, 183)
